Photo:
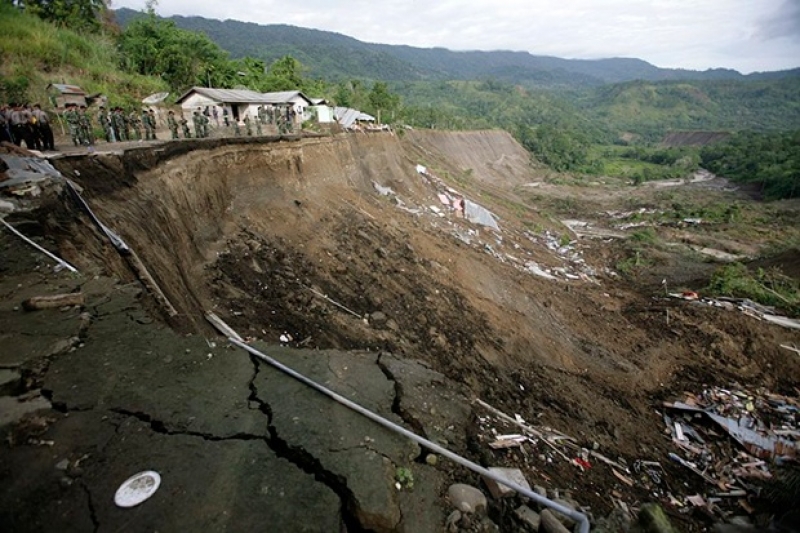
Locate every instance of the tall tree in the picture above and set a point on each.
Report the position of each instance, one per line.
(382, 100)
(83, 15)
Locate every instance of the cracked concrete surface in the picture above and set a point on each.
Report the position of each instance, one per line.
(358, 453)
(237, 443)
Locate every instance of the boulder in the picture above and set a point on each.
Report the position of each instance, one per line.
(530, 519)
(467, 499)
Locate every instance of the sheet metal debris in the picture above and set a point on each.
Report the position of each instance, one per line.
(730, 437)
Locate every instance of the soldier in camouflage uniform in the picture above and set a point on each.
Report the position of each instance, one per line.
(148, 129)
(259, 131)
(105, 123)
(120, 124)
(85, 122)
(198, 124)
(172, 124)
(135, 126)
(185, 126)
(247, 126)
(151, 116)
(73, 123)
(205, 121)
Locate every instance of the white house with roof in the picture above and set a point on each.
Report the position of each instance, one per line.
(241, 102)
(238, 102)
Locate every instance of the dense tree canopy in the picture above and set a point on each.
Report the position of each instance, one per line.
(769, 160)
(83, 15)
(156, 47)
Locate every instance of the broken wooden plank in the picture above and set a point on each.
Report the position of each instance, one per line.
(791, 348)
(608, 461)
(53, 301)
(628, 481)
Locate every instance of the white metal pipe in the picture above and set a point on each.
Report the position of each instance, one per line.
(58, 260)
(580, 518)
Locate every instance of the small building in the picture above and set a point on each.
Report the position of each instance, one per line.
(242, 102)
(62, 94)
(321, 111)
(237, 102)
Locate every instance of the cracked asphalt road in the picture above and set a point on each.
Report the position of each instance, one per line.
(238, 444)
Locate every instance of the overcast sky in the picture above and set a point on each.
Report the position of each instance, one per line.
(746, 35)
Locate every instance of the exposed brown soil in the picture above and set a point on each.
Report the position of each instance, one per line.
(251, 230)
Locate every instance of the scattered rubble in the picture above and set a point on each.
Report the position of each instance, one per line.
(744, 305)
(761, 427)
(455, 206)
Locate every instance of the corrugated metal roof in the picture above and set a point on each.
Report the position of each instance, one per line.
(347, 116)
(284, 97)
(244, 96)
(227, 96)
(66, 89)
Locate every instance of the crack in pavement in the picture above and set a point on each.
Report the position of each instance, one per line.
(92, 510)
(160, 427)
(397, 405)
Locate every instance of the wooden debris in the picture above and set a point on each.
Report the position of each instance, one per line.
(791, 348)
(608, 461)
(507, 441)
(628, 481)
(53, 302)
(696, 500)
(498, 490)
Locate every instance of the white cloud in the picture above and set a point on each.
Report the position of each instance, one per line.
(746, 35)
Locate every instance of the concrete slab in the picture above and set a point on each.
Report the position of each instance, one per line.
(159, 375)
(12, 410)
(344, 443)
(9, 381)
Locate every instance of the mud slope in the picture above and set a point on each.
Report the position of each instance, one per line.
(491, 157)
(257, 230)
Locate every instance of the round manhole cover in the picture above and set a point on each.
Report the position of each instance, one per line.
(137, 489)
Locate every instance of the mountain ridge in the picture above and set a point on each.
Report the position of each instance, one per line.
(335, 56)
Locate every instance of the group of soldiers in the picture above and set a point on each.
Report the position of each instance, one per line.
(22, 123)
(116, 125)
(31, 125)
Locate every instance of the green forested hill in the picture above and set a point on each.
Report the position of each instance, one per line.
(651, 109)
(334, 56)
(602, 114)
(35, 53)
